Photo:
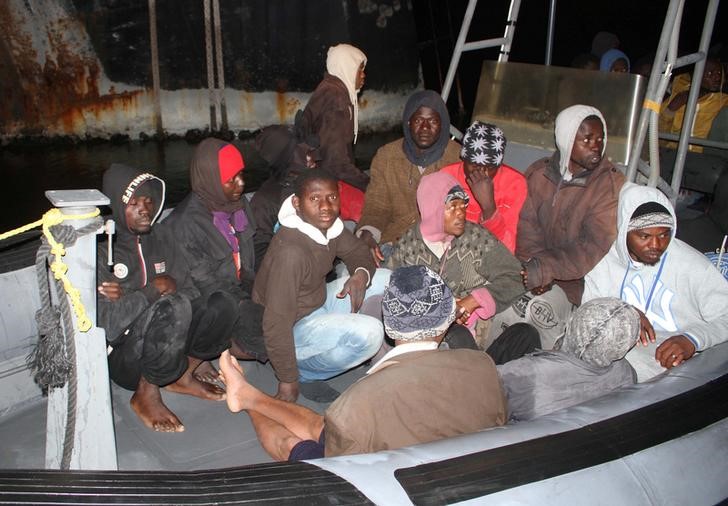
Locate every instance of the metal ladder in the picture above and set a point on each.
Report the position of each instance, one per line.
(665, 62)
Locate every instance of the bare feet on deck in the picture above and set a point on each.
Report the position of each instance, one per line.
(206, 373)
(147, 404)
(190, 385)
(239, 391)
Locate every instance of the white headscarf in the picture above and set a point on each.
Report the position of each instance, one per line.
(567, 124)
(343, 61)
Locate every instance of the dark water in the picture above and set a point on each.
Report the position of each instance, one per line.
(27, 173)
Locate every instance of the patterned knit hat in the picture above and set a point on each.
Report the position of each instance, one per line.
(483, 144)
(648, 215)
(455, 193)
(417, 304)
(601, 331)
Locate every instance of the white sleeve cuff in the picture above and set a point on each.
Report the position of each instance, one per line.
(376, 233)
(369, 276)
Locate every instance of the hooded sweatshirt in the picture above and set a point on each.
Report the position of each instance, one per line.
(291, 282)
(216, 260)
(390, 204)
(682, 294)
(567, 225)
(332, 114)
(611, 56)
(138, 259)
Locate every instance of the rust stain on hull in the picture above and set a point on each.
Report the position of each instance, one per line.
(58, 94)
(286, 106)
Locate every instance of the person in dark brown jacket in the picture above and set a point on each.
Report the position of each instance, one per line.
(416, 393)
(332, 113)
(390, 202)
(567, 224)
(311, 331)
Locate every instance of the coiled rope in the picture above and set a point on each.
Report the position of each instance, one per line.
(53, 358)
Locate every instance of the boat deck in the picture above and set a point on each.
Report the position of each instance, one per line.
(214, 437)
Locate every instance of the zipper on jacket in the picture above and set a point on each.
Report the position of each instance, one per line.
(142, 261)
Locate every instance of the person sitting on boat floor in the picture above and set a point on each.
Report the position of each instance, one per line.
(390, 202)
(682, 296)
(312, 332)
(214, 230)
(567, 224)
(586, 363)
(332, 113)
(414, 394)
(496, 191)
(711, 101)
(288, 156)
(158, 326)
(477, 267)
(614, 60)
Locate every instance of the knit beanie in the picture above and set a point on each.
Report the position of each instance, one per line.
(483, 144)
(601, 331)
(648, 215)
(417, 304)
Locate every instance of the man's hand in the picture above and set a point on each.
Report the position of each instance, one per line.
(165, 284)
(537, 290)
(647, 333)
(674, 351)
(465, 308)
(482, 187)
(368, 239)
(355, 287)
(287, 391)
(111, 290)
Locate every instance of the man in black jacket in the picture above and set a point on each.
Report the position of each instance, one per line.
(158, 328)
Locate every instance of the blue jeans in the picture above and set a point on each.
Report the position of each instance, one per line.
(332, 339)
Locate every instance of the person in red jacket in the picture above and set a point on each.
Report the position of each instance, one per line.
(496, 191)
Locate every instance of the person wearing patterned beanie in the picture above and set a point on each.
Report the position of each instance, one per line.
(415, 394)
(682, 297)
(496, 190)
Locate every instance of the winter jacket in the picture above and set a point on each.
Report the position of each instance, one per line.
(330, 115)
(138, 259)
(566, 227)
(207, 252)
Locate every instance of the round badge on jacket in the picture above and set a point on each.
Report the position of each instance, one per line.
(121, 271)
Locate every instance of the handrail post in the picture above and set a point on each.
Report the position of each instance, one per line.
(94, 444)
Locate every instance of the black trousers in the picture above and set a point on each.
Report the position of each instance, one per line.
(157, 344)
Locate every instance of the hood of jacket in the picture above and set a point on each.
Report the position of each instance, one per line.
(205, 170)
(343, 61)
(431, 195)
(288, 217)
(431, 99)
(121, 183)
(567, 124)
(630, 198)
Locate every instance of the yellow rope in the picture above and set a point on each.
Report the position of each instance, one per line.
(58, 268)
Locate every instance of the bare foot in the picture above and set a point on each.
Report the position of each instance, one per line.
(206, 373)
(239, 391)
(147, 404)
(190, 385)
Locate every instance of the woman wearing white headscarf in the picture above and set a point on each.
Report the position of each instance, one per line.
(332, 113)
